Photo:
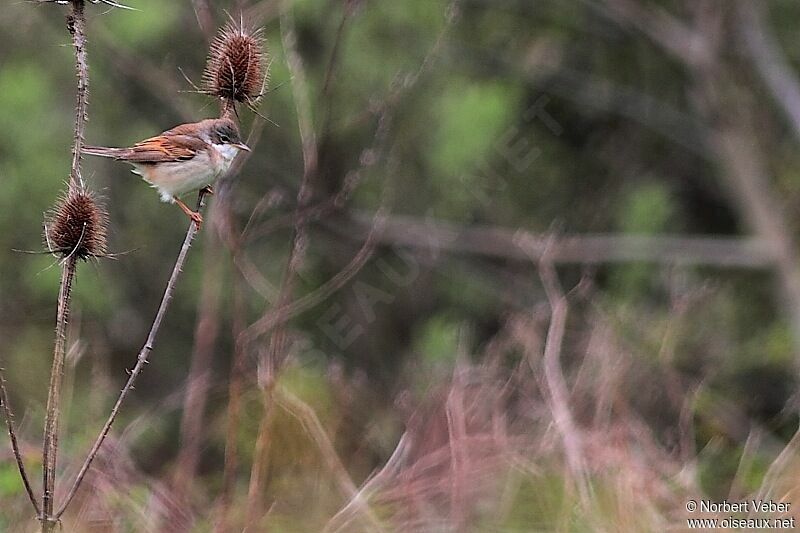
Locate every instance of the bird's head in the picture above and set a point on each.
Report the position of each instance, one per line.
(224, 131)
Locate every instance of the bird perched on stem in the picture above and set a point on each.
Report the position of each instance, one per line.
(187, 158)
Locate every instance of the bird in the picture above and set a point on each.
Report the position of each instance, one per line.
(186, 158)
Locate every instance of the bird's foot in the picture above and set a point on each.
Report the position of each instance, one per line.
(208, 189)
(197, 218)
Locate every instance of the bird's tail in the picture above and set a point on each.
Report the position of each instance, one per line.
(100, 151)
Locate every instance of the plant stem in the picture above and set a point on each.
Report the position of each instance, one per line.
(50, 445)
(76, 24)
(8, 415)
(142, 360)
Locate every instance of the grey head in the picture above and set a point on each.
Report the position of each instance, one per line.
(225, 131)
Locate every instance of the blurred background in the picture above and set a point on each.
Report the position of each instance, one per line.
(492, 266)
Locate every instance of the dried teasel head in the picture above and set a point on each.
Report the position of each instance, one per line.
(77, 227)
(237, 68)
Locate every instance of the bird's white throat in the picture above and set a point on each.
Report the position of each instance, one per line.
(228, 152)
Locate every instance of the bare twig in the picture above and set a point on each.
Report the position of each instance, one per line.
(207, 327)
(105, 2)
(348, 8)
(508, 243)
(235, 387)
(260, 457)
(199, 377)
(287, 310)
(730, 143)
(383, 112)
(308, 137)
(368, 158)
(50, 445)
(558, 392)
(311, 424)
(142, 359)
(668, 31)
(274, 319)
(76, 24)
(310, 151)
(347, 513)
(769, 61)
(8, 415)
(330, 70)
(277, 340)
(205, 19)
(459, 457)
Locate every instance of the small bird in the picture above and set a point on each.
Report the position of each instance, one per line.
(187, 158)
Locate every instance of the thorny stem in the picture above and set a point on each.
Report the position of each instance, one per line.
(8, 415)
(142, 359)
(50, 444)
(76, 24)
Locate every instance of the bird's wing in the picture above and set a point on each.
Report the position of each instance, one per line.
(104, 152)
(164, 149)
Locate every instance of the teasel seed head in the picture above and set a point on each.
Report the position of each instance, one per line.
(237, 69)
(77, 226)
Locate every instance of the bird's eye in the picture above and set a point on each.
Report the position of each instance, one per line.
(224, 139)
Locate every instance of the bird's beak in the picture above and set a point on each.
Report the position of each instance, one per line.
(242, 146)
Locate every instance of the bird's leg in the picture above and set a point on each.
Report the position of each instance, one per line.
(196, 217)
(208, 189)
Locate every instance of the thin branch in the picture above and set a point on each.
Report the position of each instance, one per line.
(459, 457)
(520, 245)
(76, 23)
(737, 154)
(392, 466)
(558, 392)
(106, 2)
(50, 443)
(260, 459)
(204, 18)
(769, 61)
(348, 9)
(368, 158)
(330, 70)
(199, 377)
(207, 326)
(284, 311)
(9, 418)
(300, 92)
(310, 151)
(668, 31)
(142, 359)
(235, 387)
(310, 422)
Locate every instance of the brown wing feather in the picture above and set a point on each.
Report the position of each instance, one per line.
(163, 149)
(181, 143)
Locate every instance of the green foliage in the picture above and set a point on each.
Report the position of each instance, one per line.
(618, 162)
(438, 342)
(10, 484)
(152, 20)
(469, 120)
(646, 211)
